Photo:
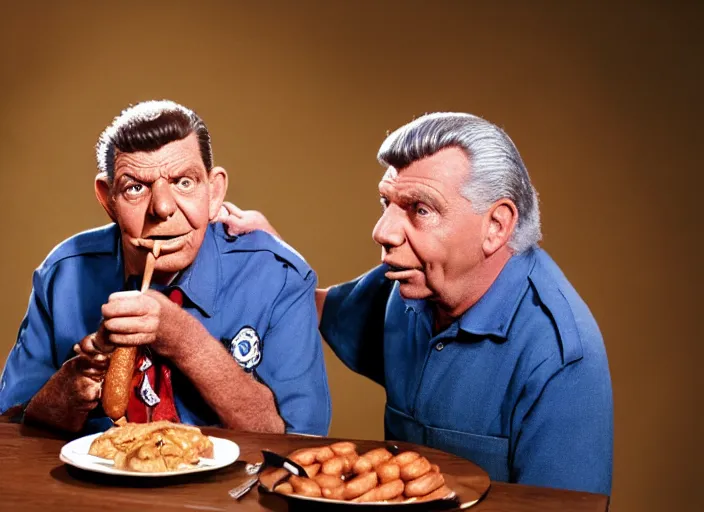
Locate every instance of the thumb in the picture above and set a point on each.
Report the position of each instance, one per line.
(232, 209)
(222, 215)
(235, 226)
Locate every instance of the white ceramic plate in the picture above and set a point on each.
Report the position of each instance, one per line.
(76, 454)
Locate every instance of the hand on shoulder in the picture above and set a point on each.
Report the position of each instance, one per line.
(240, 221)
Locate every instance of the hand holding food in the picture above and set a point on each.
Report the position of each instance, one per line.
(93, 355)
(338, 472)
(116, 390)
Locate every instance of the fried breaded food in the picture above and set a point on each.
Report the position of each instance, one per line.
(376, 476)
(152, 447)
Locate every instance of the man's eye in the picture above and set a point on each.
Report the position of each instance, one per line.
(184, 183)
(134, 190)
(421, 209)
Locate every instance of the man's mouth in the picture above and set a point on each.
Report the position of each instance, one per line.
(169, 243)
(398, 273)
(162, 237)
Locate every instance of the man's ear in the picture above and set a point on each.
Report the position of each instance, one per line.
(218, 188)
(102, 192)
(501, 220)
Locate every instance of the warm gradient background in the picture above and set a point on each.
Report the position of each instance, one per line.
(604, 103)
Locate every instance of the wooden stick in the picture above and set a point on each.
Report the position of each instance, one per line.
(149, 266)
(146, 281)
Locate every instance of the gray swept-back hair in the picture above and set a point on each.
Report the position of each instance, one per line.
(496, 168)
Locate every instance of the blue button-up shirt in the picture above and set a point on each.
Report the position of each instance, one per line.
(253, 293)
(519, 384)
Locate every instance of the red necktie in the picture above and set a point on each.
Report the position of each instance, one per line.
(152, 397)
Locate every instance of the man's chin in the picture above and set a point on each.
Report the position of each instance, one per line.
(173, 262)
(413, 291)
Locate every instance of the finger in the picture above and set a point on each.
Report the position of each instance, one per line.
(232, 209)
(221, 216)
(256, 220)
(97, 374)
(132, 324)
(89, 390)
(100, 341)
(96, 361)
(89, 346)
(127, 305)
(124, 295)
(87, 405)
(86, 347)
(142, 338)
(91, 366)
(236, 226)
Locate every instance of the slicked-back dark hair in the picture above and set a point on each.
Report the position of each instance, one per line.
(147, 126)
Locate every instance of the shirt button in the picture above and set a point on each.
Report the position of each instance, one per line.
(439, 346)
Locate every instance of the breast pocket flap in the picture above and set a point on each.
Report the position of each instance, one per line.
(488, 452)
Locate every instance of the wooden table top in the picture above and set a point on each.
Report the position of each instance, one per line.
(33, 478)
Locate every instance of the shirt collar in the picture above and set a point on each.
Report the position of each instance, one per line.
(200, 281)
(415, 305)
(493, 313)
(117, 251)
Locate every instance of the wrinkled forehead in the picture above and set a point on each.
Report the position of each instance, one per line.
(174, 157)
(448, 170)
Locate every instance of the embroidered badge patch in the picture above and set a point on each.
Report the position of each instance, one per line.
(147, 393)
(246, 348)
(146, 364)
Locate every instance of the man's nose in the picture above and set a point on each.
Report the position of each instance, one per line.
(163, 204)
(388, 231)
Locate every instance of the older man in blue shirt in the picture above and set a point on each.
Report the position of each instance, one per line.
(228, 332)
(483, 347)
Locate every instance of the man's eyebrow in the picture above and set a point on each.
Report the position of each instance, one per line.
(128, 177)
(187, 169)
(408, 196)
(419, 196)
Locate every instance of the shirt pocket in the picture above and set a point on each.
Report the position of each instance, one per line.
(488, 452)
(400, 426)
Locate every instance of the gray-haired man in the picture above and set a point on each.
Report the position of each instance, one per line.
(483, 347)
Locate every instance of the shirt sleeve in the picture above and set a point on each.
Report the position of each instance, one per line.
(32, 361)
(563, 428)
(353, 322)
(292, 358)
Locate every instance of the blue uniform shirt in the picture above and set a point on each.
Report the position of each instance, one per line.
(240, 288)
(519, 384)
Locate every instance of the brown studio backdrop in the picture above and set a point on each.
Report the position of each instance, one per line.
(602, 101)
